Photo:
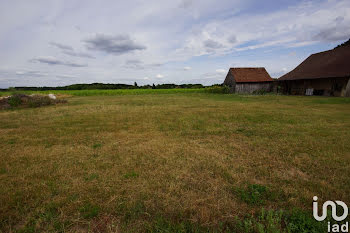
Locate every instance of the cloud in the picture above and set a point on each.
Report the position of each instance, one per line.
(55, 61)
(134, 64)
(339, 30)
(159, 76)
(186, 4)
(115, 45)
(61, 46)
(66, 76)
(68, 50)
(221, 71)
(205, 34)
(212, 44)
(209, 78)
(332, 34)
(292, 54)
(139, 65)
(31, 73)
(186, 68)
(232, 39)
(78, 54)
(296, 25)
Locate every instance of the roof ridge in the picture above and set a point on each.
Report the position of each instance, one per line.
(331, 50)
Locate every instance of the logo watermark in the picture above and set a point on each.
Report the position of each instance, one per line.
(332, 227)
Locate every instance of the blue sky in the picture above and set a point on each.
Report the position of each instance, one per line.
(61, 42)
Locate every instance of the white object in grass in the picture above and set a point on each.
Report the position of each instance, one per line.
(52, 96)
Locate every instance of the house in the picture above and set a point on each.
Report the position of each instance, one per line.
(326, 73)
(248, 80)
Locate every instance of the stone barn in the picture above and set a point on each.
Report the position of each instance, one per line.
(248, 80)
(326, 73)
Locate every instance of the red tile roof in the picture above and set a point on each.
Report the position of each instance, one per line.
(329, 64)
(243, 75)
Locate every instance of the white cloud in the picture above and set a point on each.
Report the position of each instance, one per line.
(301, 25)
(161, 37)
(221, 71)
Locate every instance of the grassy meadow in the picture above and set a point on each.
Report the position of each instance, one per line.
(172, 161)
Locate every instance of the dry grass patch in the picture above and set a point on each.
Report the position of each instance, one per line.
(146, 162)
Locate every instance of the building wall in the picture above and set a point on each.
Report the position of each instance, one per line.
(230, 82)
(321, 86)
(347, 89)
(250, 88)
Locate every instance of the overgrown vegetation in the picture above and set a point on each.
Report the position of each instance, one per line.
(180, 162)
(218, 89)
(254, 194)
(24, 101)
(266, 221)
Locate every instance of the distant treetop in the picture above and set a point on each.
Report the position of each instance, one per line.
(347, 43)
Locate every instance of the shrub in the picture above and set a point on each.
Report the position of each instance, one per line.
(218, 89)
(22, 100)
(15, 100)
(39, 100)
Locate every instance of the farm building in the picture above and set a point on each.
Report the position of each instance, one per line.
(326, 73)
(248, 80)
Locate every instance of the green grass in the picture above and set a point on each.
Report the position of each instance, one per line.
(180, 162)
(254, 194)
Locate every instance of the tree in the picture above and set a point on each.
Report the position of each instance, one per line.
(135, 84)
(153, 86)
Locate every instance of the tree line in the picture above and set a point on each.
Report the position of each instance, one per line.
(96, 86)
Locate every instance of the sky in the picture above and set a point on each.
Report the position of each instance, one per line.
(62, 42)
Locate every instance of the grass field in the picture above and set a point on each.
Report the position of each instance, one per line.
(173, 162)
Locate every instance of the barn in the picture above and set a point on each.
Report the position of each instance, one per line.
(326, 73)
(248, 80)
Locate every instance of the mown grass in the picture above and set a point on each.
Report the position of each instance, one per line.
(181, 162)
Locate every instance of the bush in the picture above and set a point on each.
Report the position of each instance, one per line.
(15, 100)
(39, 100)
(218, 89)
(32, 101)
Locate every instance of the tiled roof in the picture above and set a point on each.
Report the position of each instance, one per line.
(242, 75)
